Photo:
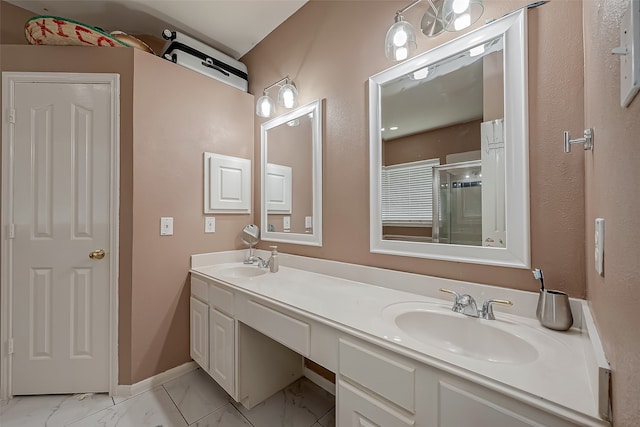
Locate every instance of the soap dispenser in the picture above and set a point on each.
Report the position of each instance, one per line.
(273, 261)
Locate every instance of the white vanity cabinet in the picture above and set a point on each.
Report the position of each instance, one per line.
(377, 387)
(199, 324)
(199, 329)
(258, 330)
(225, 342)
(222, 349)
(212, 336)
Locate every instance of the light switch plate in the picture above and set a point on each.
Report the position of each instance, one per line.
(308, 222)
(210, 224)
(630, 61)
(166, 226)
(286, 223)
(599, 246)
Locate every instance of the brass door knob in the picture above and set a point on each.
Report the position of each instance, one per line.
(98, 254)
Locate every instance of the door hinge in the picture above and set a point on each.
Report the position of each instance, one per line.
(12, 231)
(10, 346)
(12, 115)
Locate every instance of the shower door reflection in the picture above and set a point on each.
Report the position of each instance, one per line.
(457, 203)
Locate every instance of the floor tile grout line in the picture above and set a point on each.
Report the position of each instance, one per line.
(325, 414)
(176, 405)
(243, 415)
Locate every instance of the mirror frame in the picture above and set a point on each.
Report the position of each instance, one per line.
(314, 238)
(513, 27)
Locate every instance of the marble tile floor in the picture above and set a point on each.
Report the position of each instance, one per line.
(193, 399)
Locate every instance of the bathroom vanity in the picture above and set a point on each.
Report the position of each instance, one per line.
(401, 356)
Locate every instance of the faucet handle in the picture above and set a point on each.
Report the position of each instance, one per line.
(487, 307)
(454, 293)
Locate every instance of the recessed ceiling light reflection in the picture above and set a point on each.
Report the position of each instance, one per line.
(421, 74)
(475, 51)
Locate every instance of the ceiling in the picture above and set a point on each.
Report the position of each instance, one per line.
(231, 26)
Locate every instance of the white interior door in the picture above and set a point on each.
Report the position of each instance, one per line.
(60, 213)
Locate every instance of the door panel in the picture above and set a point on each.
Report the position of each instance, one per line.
(61, 211)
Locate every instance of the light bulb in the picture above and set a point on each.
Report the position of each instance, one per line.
(462, 22)
(460, 6)
(400, 40)
(287, 96)
(265, 106)
(400, 37)
(287, 99)
(401, 53)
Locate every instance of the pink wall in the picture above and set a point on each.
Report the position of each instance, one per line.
(612, 193)
(330, 48)
(169, 117)
(433, 144)
(178, 115)
(12, 20)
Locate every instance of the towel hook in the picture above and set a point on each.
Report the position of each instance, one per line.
(586, 141)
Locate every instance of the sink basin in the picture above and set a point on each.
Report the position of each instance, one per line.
(464, 335)
(242, 271)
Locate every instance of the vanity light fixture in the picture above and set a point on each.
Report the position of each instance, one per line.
(287, 97)
(450, 15)
(400, 41)
(460, 14)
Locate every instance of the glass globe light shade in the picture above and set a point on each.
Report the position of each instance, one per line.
(460, 14)
(288, 96)
(400, 41)
(265, 106)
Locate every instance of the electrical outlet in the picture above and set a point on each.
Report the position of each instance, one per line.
(286, 223)
(308, 222)
(166, 226)
(210, 224)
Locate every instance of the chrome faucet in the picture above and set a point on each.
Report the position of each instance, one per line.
(263, 263)
(466, 305)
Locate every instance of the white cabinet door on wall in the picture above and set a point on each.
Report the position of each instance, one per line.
(222, 349)
(199, 341)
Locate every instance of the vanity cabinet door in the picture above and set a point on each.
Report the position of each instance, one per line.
(199, 339)
(462, 403)
(357, 408)
(222, 349)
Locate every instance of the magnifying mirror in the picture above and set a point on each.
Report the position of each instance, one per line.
(250, 236)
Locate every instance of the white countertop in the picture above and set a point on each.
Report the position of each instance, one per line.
(557, 378)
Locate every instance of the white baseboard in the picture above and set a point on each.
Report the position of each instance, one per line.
(154, 381)
(319, 381)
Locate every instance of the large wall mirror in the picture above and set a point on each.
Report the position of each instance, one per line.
(291, 180)
(449, 150)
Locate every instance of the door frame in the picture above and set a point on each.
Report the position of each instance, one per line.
(9, 79)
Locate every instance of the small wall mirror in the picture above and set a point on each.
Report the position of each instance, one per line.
(291, 181)
(449, 150)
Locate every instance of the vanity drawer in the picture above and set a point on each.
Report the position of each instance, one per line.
(199, 288)
(285, 329)
(379, 372)
(221, 298)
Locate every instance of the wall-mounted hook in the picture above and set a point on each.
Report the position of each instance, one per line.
(586, 141)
